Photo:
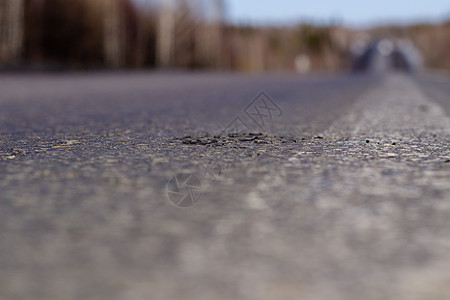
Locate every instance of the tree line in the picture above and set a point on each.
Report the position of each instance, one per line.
(107, 33)
(188, 34)
(165, 34)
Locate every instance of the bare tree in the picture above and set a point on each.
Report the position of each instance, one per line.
(190, 33)
(165, 34)
(11, 30)
(211, 36)
(114, 32)
(186, 29)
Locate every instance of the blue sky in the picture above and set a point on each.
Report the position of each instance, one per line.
(349, 12)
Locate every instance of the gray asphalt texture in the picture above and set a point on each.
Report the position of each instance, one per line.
(341, 190)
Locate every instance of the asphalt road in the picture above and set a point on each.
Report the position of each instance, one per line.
(322, 187)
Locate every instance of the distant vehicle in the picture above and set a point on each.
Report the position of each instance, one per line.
(386, 55)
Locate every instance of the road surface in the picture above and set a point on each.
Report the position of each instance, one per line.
(322, 187)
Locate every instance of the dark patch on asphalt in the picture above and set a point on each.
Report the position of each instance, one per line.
(235, 138)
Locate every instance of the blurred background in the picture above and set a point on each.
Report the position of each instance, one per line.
(250, 36)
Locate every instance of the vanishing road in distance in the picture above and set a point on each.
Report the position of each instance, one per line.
(223, 186)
